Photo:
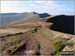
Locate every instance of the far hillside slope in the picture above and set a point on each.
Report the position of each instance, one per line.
(10, 17)
(31, 18)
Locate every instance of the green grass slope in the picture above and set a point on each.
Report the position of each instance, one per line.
(40, 39)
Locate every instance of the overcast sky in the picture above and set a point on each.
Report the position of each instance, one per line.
(51, 7)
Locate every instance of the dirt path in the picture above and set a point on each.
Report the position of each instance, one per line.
(45, 47)
(27, 49)
(30, 47)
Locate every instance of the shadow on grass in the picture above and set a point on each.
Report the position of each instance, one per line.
(62, 23)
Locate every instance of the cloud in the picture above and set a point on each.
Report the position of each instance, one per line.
(51, 7)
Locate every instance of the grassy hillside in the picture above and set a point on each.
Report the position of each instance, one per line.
(28, 19)
(9, 17)
(38, 39)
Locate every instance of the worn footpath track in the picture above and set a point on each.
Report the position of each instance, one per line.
(45, 47)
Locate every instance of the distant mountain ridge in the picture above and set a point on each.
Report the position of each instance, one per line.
(9, 17)
(8, 13)
(42, 15)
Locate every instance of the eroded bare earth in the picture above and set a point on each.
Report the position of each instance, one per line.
(27, 49)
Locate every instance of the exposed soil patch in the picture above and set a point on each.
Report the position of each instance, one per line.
(29, 48)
